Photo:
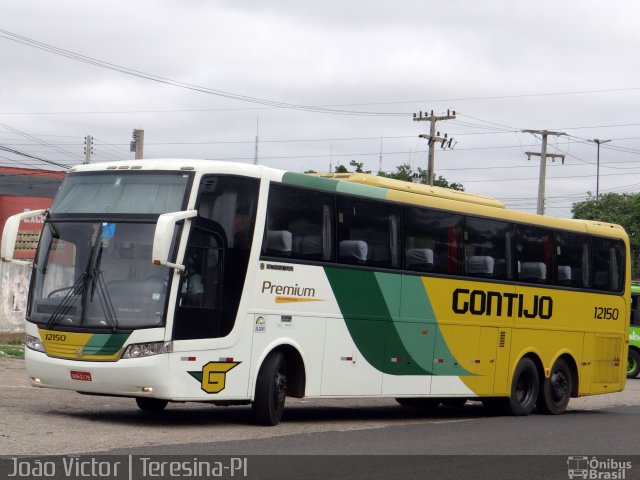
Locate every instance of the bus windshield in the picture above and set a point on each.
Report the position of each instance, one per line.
(97, 275)
(123, 192)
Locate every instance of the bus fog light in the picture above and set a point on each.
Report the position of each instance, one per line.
(147, 389)
(139, 350)
(33, 343)
(36, 380)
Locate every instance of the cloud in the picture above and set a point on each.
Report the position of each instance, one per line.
(487, 60)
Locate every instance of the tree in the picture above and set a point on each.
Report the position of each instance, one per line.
(620, 208)
(405, 173)
(444, 183)
(358, 166)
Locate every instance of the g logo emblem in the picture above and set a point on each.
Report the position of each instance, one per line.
(214, 375)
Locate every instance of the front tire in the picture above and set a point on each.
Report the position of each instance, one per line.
(524, 388)
(271, 388)
(633, 363)
(556, 390)
(151, 405)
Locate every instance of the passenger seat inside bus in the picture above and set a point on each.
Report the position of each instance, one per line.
(353, 251)
(480, 266)
(310, 246)
(420, 259)
(533, 272)
(564, 275)
(279, 243)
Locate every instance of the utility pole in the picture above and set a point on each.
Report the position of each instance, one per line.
(543, 163)
(255, 157)
(434, 136)
(137, 144)
(331, 159)
(88, 148)
(380, 159)
(597, 141)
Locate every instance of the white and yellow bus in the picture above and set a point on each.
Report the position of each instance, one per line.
(186, 280)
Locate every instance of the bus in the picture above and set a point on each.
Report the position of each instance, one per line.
(633, 363)
(204, 281)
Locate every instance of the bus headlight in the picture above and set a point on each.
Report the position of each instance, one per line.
(139, 350)
(34, 343)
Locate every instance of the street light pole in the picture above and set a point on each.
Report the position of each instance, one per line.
(597, 141)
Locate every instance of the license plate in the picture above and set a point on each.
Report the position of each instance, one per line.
(82, 376)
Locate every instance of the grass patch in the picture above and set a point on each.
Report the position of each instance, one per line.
(12, 350)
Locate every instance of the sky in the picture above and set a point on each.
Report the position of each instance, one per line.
(324, 83)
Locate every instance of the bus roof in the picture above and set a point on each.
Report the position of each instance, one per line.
(365, 185)
(418, 188)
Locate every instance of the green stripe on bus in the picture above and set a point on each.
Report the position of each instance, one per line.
(310, 181)
(391, 321)
(332, 185)
(105, 343)
(362, 190)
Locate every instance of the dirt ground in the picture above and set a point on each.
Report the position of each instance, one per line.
(43, 421)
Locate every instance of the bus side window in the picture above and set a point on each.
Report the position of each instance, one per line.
(486, 246)
(431, 241)
(370, 229)
(608, 264)
(534, 254)
(299, 224)
(572, 253)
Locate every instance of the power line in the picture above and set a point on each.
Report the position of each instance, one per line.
(176, 83)
(37, 140)
(22, 154)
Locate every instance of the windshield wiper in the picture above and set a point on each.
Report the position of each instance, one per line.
(97, 283)
(65, 305)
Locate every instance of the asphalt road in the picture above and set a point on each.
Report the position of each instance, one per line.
(42, 421)
(355, 439)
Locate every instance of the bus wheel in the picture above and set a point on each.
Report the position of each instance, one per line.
(418, 402)
(524, 388)
(556, 390)
(151, 404)
(271, 388)
(633, 363)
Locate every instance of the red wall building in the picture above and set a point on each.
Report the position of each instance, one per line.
(24, 189)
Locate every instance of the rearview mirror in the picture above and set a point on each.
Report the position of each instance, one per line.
(10, 235)
(164, 234)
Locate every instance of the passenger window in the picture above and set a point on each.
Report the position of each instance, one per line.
(572, 260)
(368, 233)
(534, 254)
(486, 246)
(608, 264)
(231, 202)
(635, 306)
(299, 224)
(432, 241)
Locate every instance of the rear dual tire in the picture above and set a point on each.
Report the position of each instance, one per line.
(524, 392)
(549, 396)
(524, 388)
(555, 393)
